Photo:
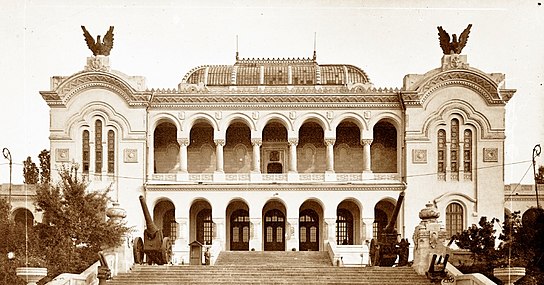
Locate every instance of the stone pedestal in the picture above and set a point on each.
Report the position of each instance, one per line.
(123, 254)
(31, 275)
(429, 237)
(98, 63)
(509, 275)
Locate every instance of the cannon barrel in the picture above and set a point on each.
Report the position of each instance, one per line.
(391, 225)
(102, 259)
(151, 228)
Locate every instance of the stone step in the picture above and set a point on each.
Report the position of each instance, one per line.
(269, 268)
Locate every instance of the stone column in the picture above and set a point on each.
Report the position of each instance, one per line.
(183, 143)
(219, 143)
(293, 142)
(150, 158)
(330, 154)
(256, 142)
(366, 155)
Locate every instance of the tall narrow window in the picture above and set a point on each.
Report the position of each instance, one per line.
(86, 152)
(111, 151)
(454, 219)
(441, 155)
(98, 146)
(467, 155)
(454, 149)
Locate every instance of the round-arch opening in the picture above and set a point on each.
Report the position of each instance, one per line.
(202, 225)
(238, 226)
(164, 217)
(274, 224)
(165, 148)
(383, 150)
(348, 152)
(310, 226)
(23, 217)
(348, 225)
(201, 150)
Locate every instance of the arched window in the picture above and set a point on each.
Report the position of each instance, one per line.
(454, 219)
(111, 151)
(467, 154)
(344, 227)
(98, 146)
(86, 152)
(454, 149)
(441, 167)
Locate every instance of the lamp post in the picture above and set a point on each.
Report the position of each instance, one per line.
(536, 152)
(7, 155)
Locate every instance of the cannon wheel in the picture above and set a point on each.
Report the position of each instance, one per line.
(166, 250)
(138, 250)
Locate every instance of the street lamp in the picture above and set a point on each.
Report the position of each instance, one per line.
(536, 152)
(7, 155)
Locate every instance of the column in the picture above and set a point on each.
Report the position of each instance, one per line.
(293, 142)
(150, 157)
(330, 154)
(366, 155)
(183, 143)
(219, 143)
(256, 142)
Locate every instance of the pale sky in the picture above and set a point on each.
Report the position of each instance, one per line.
(163, 40)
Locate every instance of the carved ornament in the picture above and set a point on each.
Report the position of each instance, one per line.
(219, 142)
(481, 85)
(257, 141)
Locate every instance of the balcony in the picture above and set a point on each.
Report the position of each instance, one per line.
(237, 178)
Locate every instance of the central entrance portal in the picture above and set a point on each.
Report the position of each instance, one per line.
(239, 226)
(309, 230)
(274, 228)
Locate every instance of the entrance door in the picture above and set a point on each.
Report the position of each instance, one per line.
(274, 228)
(309, 230)
(239, 230)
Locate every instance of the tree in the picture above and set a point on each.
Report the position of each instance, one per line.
(30, 171)
(45, 166)
(74, 226)
(480, 240)
(523, 244)
(14, 240)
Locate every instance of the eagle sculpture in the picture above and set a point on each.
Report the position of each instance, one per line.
(99, 47)
(455, 45)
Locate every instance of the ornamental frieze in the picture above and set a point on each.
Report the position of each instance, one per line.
(89, 80)
(281, 101)
(481, 85)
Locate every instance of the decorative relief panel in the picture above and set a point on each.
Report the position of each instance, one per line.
(130, 155)
(62, 155)
(491, 154)
(419, 156)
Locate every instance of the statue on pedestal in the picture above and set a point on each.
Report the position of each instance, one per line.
(99, 47)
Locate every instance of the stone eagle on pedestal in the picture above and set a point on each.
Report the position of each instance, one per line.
(454, 46)
(99, 47)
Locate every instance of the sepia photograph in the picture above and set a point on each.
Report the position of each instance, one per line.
(271, 142)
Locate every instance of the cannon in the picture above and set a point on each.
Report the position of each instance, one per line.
(156, 248)
(385, 249)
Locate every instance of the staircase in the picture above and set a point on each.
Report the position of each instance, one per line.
(260, 267)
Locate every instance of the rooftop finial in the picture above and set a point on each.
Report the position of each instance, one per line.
(236, 47)
(315, 42)
(99, 47)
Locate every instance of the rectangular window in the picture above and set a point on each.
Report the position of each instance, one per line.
(454, 149)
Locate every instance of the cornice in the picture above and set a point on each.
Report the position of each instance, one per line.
(85, 80)
(258, 101)
(480, 83)
(273, 187)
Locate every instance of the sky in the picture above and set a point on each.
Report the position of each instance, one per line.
(163, 40)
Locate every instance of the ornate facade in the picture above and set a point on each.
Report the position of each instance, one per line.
(285, 154)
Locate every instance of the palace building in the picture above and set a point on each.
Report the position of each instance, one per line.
(285, 154)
